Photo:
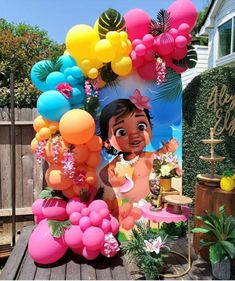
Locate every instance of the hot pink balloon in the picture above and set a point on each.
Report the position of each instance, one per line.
(93, 238)
(140, 50)
(84, 223)
(106, 226)
(74, 205)
(164, 43)
(189, 38)
(43, 247)
(85, 212)
(54, 209)
(178, 54)
(90, 254)
(147, 70)
(180, 41)
(148, 40)
(73, 236)
(173, 32)
(95, 218)
(97, 205)
(183, 29)
(136, 60)
(136, 42)
(150, 55)
(114, 225)
(38, 219)
(182, 11)
(137, 23)
(37, 207)
(77, 251)
(75, 218)
(105, 213)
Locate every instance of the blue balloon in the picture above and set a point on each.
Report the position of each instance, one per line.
(71, 80)
(77, 73)
(40, 85)
(67, 61)
(68, 71)
(54, 79)
(52, 105)
(77, 95)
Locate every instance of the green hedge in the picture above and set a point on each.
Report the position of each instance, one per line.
(197, 120)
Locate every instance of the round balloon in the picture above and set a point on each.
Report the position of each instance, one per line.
(56, 178)
(54, 79)
(77, 95)
(67, 61)
(93, 238)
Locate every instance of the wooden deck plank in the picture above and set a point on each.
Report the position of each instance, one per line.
(73, 268)
(118, 269)
(27, 270)
(87, 270)
(14, 262)
(42, 273)
(103, 271)
(58, 272)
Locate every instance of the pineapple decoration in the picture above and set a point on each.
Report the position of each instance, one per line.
(227, 182)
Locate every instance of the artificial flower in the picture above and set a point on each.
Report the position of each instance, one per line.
(141, 102)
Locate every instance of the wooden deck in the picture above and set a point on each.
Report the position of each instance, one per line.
(20, 266)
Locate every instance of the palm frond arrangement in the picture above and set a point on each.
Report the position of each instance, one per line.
(190, 60)
(42, 71)
(161, 24)
(110, 20)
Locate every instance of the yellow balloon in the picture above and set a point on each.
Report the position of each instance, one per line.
(96, 26)
(113, 37)
(129, 46)
(104, 50)
(92, 73)
(122, 50)
(96, 63)
(86, 64)
(122, 67)
(80, 41)
(123, 35)
(66, 52)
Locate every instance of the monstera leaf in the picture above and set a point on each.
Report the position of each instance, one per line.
(110, 20)
(107, 74)
(189, 61)
(42, 71)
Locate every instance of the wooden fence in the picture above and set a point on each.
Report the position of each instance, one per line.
(29, 174)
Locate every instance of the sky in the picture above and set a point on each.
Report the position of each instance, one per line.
(58, 16)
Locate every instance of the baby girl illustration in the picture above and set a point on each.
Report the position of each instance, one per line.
(125, 128)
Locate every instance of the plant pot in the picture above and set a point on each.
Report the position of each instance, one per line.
(221, 270)
(165, 183)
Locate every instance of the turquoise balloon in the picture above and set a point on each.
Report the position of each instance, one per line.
(71, 80)
(77, 73)
(52, 105)
(77, 95)
(54, 79)
(67, 61)
(40, 85)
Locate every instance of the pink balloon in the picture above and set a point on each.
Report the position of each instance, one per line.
(182, 11)
(183, 29)
(97, 205)
(179, 53)
(93, 238)
(95, 218)
(165, 43)
(114, 225)
(73, 236)
(150, 55)
(106, 226)
(77, 251)
(38, 219)
(84, 223)
(54, 209)
(136, 42)
(75, 218)
(148, 40)
(90, 254)
(105, 213)
(189, 38)
(74, 205)
(85, 212)
(140, 50)
(173, 32)
(180, 41)
(37, 207)
(136, 60)
(147, 70)
(137, 23)
(43, 247)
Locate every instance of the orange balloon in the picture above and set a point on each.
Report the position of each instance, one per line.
(44, 133)
(95, 144)
(54, 127)
(128, 223)
(80, 167)
(78, 188)
(40, 122)
(34, 144)
(94, 159)
(56, 179)
(49, 153)
(77, 126)
(91, 177)
(69, 193)
(37, 136)
(80, 153)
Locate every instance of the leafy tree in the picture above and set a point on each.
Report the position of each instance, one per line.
(200, 40)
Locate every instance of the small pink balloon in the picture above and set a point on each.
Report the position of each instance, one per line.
(95, 218)
(77, 251)
(54, 209)
(183, 29)
(85, 212)
(38, 219)
(148, 40)
(105, 213)
(178, 54)
(182, 11)
(106, 226)
(73, 236)
(137, 23)
(90, 254)
(37, 207)
(165, 44)
(43, 247)
(97, 205)
(189, 38)
(93, 238)
(150, 55)
(136, 42)
(173, 32)
(114, 225)
(147, 70)
(74, 205)
(75, 218)
(136, 60)
(84, 223)
(180, 41)
(140, 50)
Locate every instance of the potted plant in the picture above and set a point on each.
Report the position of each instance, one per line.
(220, 237)
(148, 248)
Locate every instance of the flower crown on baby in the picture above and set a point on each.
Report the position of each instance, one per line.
(141, 102)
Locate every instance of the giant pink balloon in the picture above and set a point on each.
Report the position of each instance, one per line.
(93, 238)
(43, 247)
(147, 70)
(54, 209)
(165, 44)
(137, 23)
(37, 207)
(182, 11)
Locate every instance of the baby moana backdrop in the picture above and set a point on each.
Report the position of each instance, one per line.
(110, 117)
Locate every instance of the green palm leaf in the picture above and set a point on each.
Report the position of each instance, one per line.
(107, 74)
(229, 248)
(189, 61)
(42, 71)
(161, 25)
(110, 20)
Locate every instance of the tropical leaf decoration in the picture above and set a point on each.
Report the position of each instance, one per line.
(57, 227)
(110, 20)
(107, 74)
(42, 71)
(48, 193)
(161, 24)
(93, 105)
(189, 61)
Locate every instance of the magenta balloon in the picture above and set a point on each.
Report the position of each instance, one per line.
(95, 218)
(75, 218)
(148, 40)
(37, 207)
(136, 60)
(93, 238)
(179, 53)
(85, 212)
(189, 38)
(136, 42)
(84, 223)
(90, 254)
(183, 29)
(97, 205)
(106, 226)
(74, 205)
(114, 225)
(38, 219)
(150, 55)
(43, 247)
(173, 32)
(137, 23)
(73, 236)
(77, 251)
(54, 209)
(182, 11)
(180, 41)
(147, 70)
(165, 44)
(140, 50)
(105, 213)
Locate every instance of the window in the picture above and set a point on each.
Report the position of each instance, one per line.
(227, 38)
